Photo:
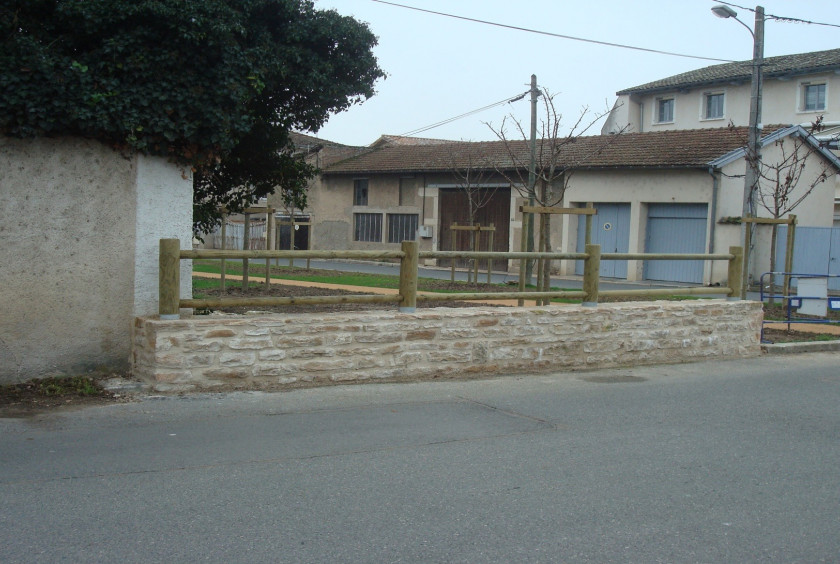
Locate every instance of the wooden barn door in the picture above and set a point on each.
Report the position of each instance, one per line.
(454, 208)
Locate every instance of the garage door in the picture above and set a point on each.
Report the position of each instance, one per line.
(611, 230)
(676, 228)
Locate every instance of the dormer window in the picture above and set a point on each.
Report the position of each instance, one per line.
(713, 105)
(813, 96)
(664, 110)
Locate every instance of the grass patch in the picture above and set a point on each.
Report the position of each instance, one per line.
(74, 385)
(36, 396)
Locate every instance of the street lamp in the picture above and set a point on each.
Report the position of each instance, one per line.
(751, 175)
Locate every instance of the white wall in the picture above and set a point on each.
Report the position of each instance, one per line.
(638, 188)
(781, 104)
(164, 211)
(77, 220)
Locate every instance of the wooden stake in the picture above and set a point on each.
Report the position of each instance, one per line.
(169, 279)
(408, 277)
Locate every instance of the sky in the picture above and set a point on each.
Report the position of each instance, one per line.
(440, 67)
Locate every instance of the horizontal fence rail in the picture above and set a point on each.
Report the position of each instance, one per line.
(665, 256)
(407, 296)
(235, 254)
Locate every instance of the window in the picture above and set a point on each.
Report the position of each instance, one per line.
(407, 191)
(813, 97)
(713, 106)
(402, 227)
(367, 227)
(664, 110)
(360, 192)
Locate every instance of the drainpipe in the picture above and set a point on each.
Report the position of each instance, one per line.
(715, 173)
(641, 117)
(423, 211)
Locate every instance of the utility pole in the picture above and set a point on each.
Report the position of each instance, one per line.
(532, 173)
(752, 173)
(753, 156)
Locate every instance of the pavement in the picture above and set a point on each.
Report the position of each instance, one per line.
(708, 462)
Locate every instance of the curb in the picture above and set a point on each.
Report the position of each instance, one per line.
(794, 348)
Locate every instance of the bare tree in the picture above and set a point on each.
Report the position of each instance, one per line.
(781, 189)
(472, 171)
(557, 157)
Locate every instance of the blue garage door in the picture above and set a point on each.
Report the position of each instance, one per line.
(816, 251)
(676, 228)
(611, 230)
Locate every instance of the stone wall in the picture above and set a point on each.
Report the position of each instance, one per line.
(264, 351)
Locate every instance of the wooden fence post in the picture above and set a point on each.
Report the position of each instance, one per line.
(789, 242)
(224, 246)
(408, 277)
(453, 247)
(169, 279)
(476, 247)
(246, 246)
(745, 260)
(736, 266)
(591, 274)
(490, 247)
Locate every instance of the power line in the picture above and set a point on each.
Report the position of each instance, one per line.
(466, 114)
(561, 36)
(778, 18)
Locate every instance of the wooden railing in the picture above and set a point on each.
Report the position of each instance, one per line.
(409, 256)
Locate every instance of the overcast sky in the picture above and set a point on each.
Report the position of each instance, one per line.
(439, 67)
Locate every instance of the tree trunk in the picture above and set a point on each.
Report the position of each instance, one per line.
(773, 235)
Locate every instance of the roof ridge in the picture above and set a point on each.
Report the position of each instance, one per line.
(778, 65)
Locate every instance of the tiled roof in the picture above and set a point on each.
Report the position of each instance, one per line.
(403, 140)
(786, 65)
(694, 148)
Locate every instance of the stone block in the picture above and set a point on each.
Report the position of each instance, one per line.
(250, 344)
(237, 359)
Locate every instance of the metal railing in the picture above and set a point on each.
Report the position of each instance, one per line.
(407, 295)
(797, 305)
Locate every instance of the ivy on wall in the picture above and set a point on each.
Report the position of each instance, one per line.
(215, 85)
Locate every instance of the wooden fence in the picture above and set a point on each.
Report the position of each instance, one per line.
(409, 255)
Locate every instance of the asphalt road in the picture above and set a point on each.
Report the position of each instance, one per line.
(711, 462)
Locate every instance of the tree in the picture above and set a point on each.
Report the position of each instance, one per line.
(779, 191)
(215, 85)
(471, 172)
(557, 157)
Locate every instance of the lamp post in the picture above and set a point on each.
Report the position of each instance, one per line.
(751, 174)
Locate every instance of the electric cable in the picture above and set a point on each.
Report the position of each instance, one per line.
(561, 36)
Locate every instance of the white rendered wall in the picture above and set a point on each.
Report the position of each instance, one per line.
(74, 226)
(164, 211)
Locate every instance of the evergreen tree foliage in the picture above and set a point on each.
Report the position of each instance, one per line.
(215, 85)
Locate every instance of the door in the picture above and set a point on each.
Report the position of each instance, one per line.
(284, 233)
(816, 250)
(611, 230)
(676, 228)
(454, 208)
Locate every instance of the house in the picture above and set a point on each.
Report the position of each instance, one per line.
(662, 191)
(796, 89)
